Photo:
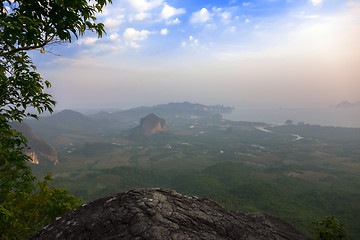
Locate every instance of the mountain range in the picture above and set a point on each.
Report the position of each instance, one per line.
(170, 110)
(346, 104)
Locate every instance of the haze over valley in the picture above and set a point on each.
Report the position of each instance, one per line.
(297, 171)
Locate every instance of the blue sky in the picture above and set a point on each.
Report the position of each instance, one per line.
(261, 54)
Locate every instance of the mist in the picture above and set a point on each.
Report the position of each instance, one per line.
(300, 56)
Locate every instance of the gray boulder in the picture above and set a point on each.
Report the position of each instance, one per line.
(160, 214)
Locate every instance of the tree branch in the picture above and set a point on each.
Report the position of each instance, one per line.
(48, 40)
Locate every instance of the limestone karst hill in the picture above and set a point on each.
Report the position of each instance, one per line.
(160, 214)
(149, 126)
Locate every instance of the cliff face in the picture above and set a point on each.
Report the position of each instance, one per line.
(151, 124)
(40, 151)
(160, 214)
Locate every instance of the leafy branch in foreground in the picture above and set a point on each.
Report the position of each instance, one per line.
(26, 204)
(29, 24)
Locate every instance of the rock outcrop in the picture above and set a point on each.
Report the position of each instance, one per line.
(160, 214)
(151, 125)
(40, 151)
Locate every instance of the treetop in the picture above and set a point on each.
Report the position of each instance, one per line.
(33, 24)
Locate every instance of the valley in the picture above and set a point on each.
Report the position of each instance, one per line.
(300, 173)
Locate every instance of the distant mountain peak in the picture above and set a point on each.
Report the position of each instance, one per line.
(69, 113)
(151, 125)
(347, 104)
(70, 117)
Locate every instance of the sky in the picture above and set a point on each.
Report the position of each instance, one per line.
(245, 54)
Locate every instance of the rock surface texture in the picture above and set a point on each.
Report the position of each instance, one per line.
(164, 214)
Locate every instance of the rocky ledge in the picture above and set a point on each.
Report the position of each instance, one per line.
(158, 214)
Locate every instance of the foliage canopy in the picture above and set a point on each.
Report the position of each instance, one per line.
(28, 25)
(329, 228)
(33, 24)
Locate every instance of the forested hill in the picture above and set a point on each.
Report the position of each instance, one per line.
(169, 110)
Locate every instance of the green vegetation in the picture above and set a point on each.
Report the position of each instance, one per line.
(237, 164)
(329, 229)
(23, 213)
(26, 204)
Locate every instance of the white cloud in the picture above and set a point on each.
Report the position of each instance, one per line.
(114, 37)
(164, 31)
(134, 45)
(247, 20)
(306, 16)
(141, 16)
(226, 16)
(245, 4)
(169, 11)
(215, 9)
(104, 11)
(231, 29)
(131, 34)
(200, 16)
(143, 5)
(192, 42)
(173, 21)
(113, 23)
(317, 2)
(87, 41)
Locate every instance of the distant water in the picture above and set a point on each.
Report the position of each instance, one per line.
(338, 117)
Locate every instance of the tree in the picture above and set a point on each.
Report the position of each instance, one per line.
(34, 24)
(23, 213)
(28, 25)
(329, 229)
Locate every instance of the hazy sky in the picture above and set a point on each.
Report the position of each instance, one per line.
(260, 53)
